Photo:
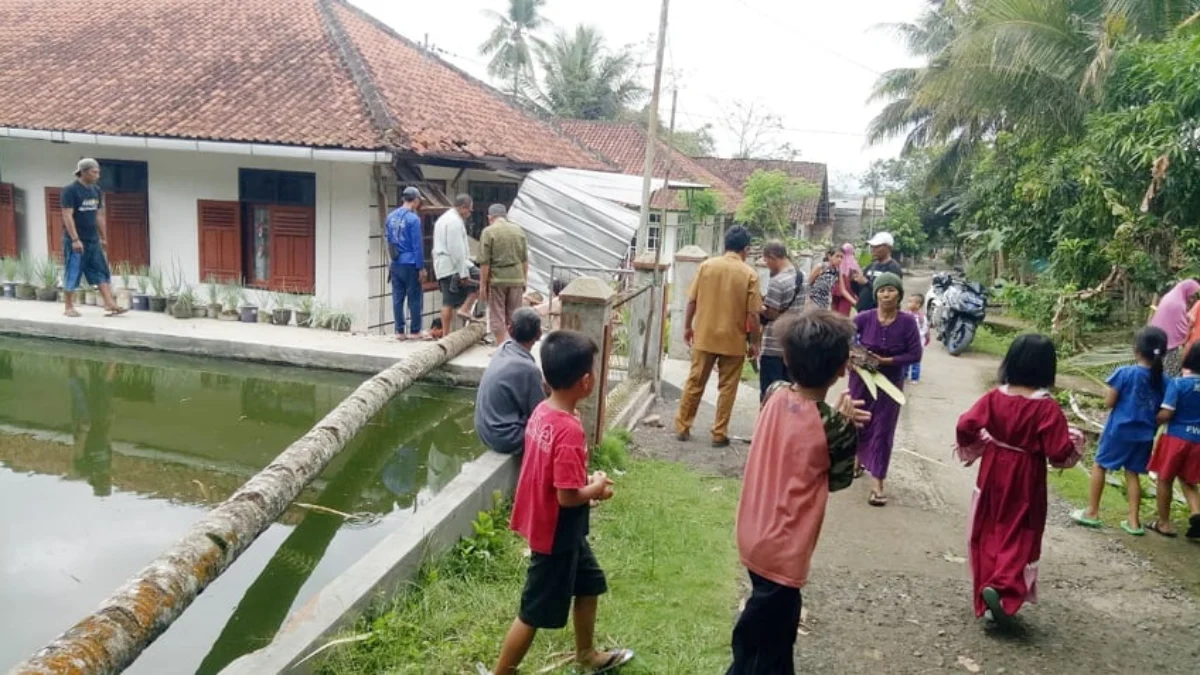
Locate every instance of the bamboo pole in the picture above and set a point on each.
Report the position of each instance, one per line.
(111, 638)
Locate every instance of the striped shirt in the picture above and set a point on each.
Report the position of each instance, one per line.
(785, 293)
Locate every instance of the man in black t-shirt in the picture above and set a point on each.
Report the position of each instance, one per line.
(85, 238)
(881, 261)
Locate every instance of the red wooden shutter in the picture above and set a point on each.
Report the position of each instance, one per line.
(8, 222)
(220, 240)
(54, 223)
(128, 226)
(293, 248)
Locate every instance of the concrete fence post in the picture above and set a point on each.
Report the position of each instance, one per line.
(586, 307)
(687, 263)
(646, 319)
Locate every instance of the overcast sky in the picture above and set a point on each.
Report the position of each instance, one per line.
(811, 62)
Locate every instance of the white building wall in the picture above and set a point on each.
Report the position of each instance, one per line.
(178, 179)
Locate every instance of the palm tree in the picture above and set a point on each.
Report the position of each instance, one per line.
(512, 43)
(585, 80)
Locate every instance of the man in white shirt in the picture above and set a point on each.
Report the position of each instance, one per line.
(452, 262)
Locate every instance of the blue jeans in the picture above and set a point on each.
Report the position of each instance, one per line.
(406, 285)
(914, 372)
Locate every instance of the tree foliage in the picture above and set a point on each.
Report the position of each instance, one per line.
(584, 79)
(768, 199)
(512, 44)
(756, 131)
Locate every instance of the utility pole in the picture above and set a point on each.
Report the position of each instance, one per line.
(643, 233)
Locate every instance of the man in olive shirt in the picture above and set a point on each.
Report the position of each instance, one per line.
(721, 327)
(503, 268)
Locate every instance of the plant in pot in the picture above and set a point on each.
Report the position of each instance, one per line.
(185, 303)
(175, 285)
(281, 315)
(232, 296)
(124, 295)
(141, 299)
(339, 321)
(214, 305)
(87, 293)
(48, 280)
(158, 286)
(26, 274)
(304, 311)
(11, 269)
(248, 311)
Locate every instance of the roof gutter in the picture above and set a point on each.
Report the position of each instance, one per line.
(211, 147)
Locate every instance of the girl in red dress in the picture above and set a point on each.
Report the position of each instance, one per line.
(1015, 429)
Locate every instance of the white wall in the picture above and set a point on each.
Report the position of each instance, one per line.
(178, 179)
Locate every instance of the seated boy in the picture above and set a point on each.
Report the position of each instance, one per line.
(801, 449)
(551, 509)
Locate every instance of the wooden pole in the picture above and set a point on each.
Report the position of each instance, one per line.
(111, 638)
(643, 233)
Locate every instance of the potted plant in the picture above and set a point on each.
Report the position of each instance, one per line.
(26, 274)
(158, 301)
(281, 315)
(48, 280)
(87, 293)
(304, 311)
(248, 311)
(185, 304)
(214, 297)
(124, 295)
(11, 268)
(232, 296)
(339, 321)
(141, 299)
(174, 285)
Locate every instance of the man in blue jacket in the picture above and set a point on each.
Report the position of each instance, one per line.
(407, 250)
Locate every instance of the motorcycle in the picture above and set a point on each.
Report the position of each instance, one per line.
(955, 308)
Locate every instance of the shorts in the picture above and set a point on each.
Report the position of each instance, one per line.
(553, 580)
(502, 302)
(1115, 454)
(1176, 458)
(450, 297)
(90, 265)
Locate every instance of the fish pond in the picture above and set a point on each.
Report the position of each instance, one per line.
(108, 456)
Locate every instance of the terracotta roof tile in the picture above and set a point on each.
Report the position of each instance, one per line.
(266, 71)
(738, 171)
(624, 145)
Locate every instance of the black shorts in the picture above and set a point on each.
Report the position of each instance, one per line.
(553, 580)
(451, 297)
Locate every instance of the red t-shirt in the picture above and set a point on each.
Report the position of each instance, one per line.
(555, 459)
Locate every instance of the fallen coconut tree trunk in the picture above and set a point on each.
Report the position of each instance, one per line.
(112, 637)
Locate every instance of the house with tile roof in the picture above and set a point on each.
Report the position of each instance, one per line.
(623, 145)
(260, 140)
(811, 219)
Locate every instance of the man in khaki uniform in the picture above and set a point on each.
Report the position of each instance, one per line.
(721, 327)
(503, 268)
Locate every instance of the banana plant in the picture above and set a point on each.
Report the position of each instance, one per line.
(867, 366)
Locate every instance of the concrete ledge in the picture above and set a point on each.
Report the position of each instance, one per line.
(385, 569)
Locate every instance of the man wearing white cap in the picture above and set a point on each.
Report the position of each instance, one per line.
(85, 238)
(881, 261)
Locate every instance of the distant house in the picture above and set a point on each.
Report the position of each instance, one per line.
(623, 145)
(259, 140)
(857, 218)
(811, 219)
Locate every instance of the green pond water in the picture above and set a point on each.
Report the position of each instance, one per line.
(108, 456)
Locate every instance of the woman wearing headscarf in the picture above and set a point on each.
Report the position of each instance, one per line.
(1171, 315)
(844, 298)
(894, 339)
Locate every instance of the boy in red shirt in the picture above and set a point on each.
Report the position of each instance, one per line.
(551, 508)
(802, 449)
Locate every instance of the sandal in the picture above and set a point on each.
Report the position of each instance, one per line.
(1193, 532)
(859, 471)
(115, 311)
(1080, 518)
(72, 313)
(1131, 530)
(991, 598)
(1156, 527)
(616, 659)
(877, 499)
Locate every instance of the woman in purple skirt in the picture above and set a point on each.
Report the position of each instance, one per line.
(894, 338)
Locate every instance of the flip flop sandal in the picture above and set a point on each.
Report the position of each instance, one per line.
(860, 472)
(115, 312)
(616, 659)
(1131, 530)
(877, 499)
(1193, 532)
(1080, 518)
(72, 313)
(1154, 527)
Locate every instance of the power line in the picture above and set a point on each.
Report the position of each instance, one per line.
(692, 117)
(776, 21)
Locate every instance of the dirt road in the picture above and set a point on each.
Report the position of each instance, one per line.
(890, 591)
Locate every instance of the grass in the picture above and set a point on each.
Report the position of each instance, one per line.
(1073, 484)
(993, 342)
(749, 374)
(666, 543)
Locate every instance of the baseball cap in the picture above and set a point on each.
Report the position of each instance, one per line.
(882, 239)
(85, 164)
(411, 193)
